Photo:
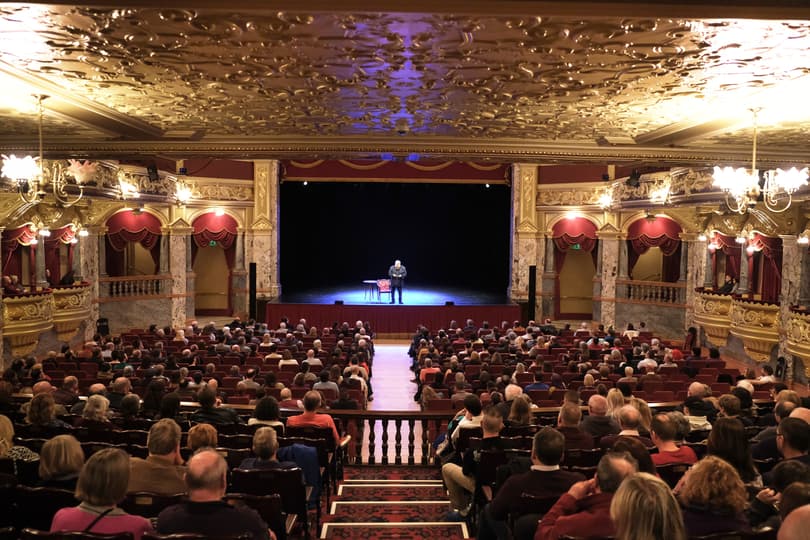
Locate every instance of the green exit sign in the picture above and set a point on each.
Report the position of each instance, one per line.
(576, 246)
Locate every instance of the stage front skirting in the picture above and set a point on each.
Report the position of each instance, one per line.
(390, 319)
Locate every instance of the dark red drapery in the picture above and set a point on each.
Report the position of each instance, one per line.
(662, 233)
(59, 239)
(129, 226)
(12, 254)
(221, 230)
(570, 232)
(731, 249)
(771, 249)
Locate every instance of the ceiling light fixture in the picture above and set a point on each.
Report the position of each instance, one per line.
(743, 187)
(35, 180)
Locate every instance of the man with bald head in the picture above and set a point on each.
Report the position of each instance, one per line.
(598, 424)
(803, 413)
(794, 527)
(120, 388)
(629, 421)
(204, 512)
(43, 387)
(96, 389)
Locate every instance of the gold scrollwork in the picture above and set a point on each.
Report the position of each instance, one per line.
(757, 325)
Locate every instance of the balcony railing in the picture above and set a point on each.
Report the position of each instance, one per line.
(133, 286)
(651, 292)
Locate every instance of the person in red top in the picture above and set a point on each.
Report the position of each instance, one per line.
(663, 433)
(310, 418)
(585, 509)
(428, 369)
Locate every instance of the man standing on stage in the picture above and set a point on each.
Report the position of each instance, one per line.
(397, 274)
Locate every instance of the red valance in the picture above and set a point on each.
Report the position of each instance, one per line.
(570, 232)
(771, 249)
(662, 233)
(129, 226)
(219, 229)
(12, 240)
(53, 243)
(731, 249)
(425, 170)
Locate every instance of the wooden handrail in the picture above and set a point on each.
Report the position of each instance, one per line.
(675, 284)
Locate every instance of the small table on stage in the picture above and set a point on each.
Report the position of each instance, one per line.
(370, 289)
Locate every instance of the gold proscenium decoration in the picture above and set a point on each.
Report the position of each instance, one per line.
(36, 180)
(25, 318)
(798, 337)
(71, 307)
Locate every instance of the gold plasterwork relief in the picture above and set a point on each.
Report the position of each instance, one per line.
(757, 325)
(798, 337)
(713, 313)
(527, 220)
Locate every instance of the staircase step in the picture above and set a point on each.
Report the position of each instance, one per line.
(392, 492)
(391, 472)
(382, 531)
(387, 511)
(392, 482)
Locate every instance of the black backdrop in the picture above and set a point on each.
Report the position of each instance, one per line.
(447, 235)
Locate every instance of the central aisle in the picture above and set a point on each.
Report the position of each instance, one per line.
(391, 380)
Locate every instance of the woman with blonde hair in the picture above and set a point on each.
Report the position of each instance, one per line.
(644, 508)
(94, 415)
(615, 402)
(7, 447)
(645, 415)
(713, 498)
(102, 485)
(60, 462)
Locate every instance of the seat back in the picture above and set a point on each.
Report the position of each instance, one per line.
(269, 507)
(672, 473)
(33, 534)
(148, 504)
(37, 506)
(287, 483)
(154, 536)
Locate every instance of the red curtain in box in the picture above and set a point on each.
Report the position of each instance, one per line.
(771, 249)
(53, 245)
(128, 226)
(12, 254)
(570, 232)
(731, 249)
(662, 233)
(219, 229)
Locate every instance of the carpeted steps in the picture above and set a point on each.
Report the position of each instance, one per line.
(390, 502)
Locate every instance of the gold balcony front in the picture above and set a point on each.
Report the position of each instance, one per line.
(25, 317)
(757, 325)
(798, 336)
(713, 313)
(71, 307)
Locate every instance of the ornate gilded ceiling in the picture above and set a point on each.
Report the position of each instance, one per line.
(247, 83)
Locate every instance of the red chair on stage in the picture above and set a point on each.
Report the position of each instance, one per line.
(384, 287)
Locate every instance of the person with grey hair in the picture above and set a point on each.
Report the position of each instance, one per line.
(397, 274)
(204, 512)
(68, 394)
(585, 508)
(265, 447)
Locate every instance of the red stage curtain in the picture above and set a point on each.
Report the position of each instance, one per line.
(731, 249)
(12, 254)
(661, 233)
(213, 228)
(771, 249)
(128, 226)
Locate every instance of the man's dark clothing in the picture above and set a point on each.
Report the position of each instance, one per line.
(472, 457)
(218, 415)
(65, 397)
(539, 385)
(216, 518)
(599, 426)
(767, 478)
(609, 440)
(576, 439)
(397, 276)
(115, 399)
(537, 483)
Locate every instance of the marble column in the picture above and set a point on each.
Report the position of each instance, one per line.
(262, 241)
(708, 267)
(611, 253)
(803, 262)
(176, 259)
(742, 285)
(597, 282)
(524, 235)
(41, 279)
(239, 285)
(791, 284)
(693, 269)
(547, 279)
(89, 252)
(624, 260)
(163, 264)
(190, 280)
(101, 241)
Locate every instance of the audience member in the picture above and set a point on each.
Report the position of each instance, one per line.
(162, 470)
(210, 413)
(664, 433)
(202, 436)
(204, 512)
(60, 462)
(568, 423)
(265, 447)
(101, 486)
(729, 442)
(586, 507)
(713, 497)
(629, 421)
(597, 423)
(311, 418)
(644, 508)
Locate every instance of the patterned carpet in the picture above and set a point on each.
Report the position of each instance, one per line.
(392, 473)
(451, 531)
(383, 492)
(387, 512)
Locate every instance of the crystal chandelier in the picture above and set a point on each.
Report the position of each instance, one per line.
(35, 180)
(743, 187)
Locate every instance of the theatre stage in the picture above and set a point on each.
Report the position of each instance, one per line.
(421, 306)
